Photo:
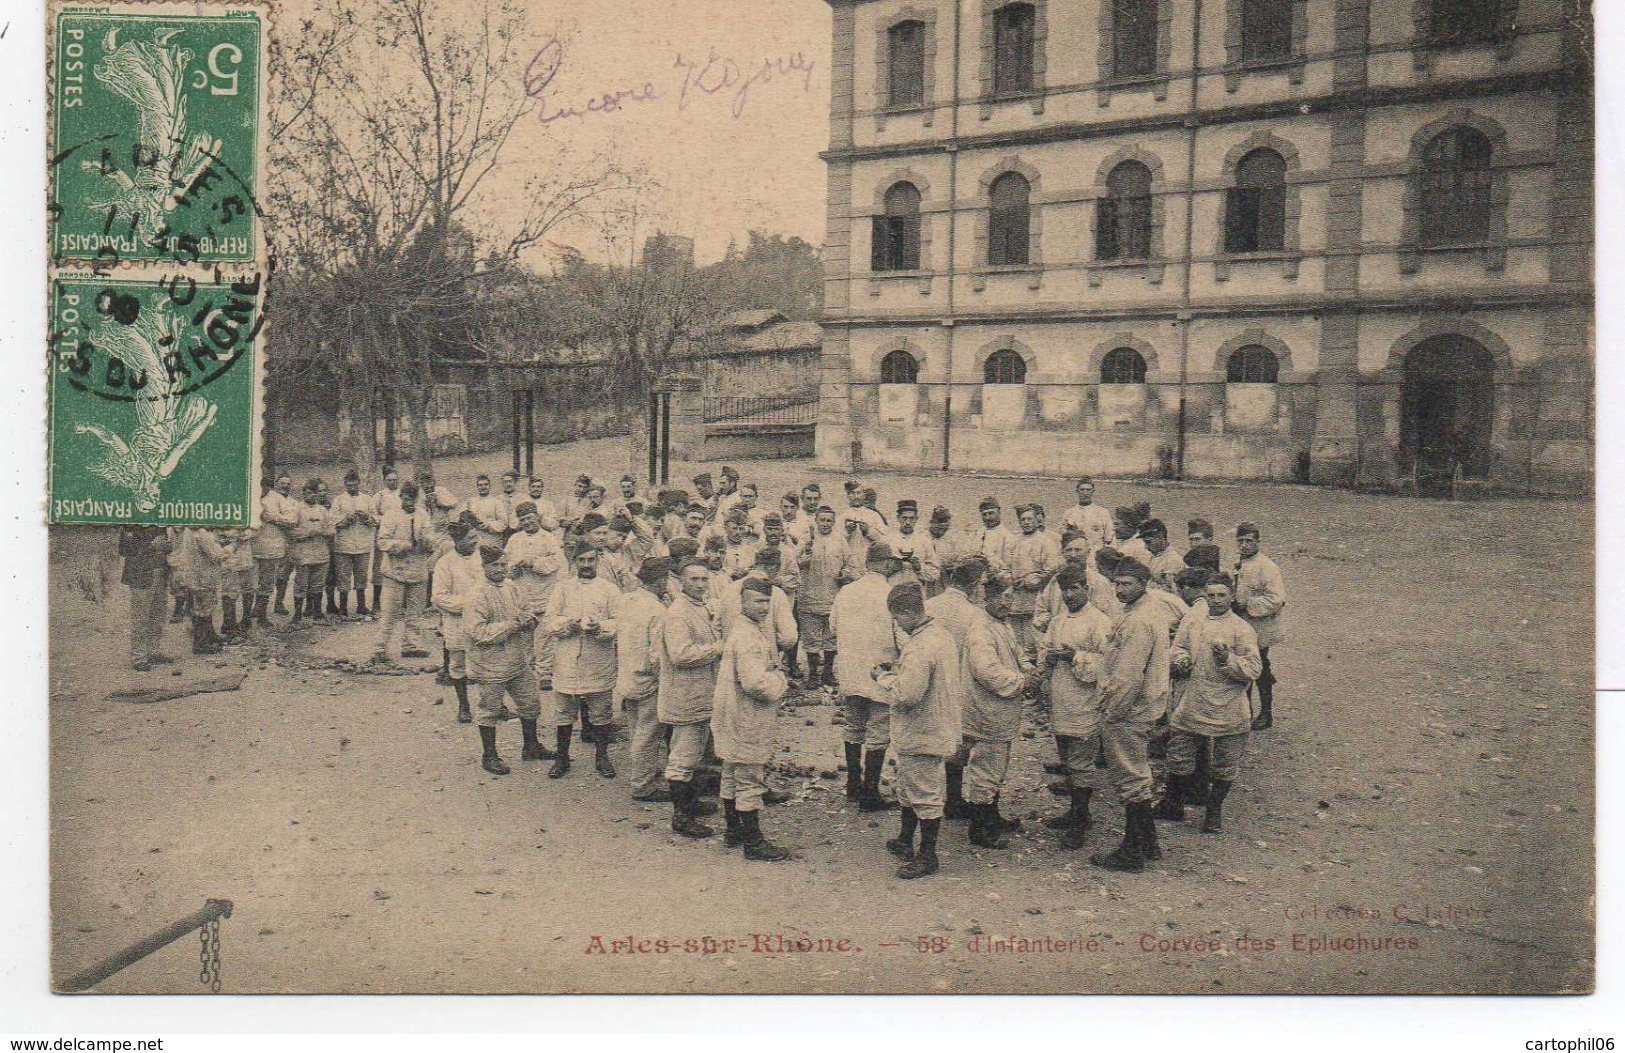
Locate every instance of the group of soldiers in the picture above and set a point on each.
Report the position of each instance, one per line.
(696, 612)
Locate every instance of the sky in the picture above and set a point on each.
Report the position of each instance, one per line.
(724, 103)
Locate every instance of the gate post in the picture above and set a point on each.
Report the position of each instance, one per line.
(685, 409)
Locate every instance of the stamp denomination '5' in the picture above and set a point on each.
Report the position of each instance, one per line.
(156, 124)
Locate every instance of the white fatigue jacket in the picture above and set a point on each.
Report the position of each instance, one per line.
(954, 611)
(1103, 595)
(1092, 521)
(408, 543)
(1173, 608)
(925, 689)
(355, 520)
(738, 559)
(456, 579)
(789, 578)
(239, 553)
(1075, 707)
(583, 663)
(1261, 594)
(618, 569)
(534, 562)
(1165, 566)
(916, 547)
(278, 515)
(780, 623)
(1214, 701)
(954, 545)
(639, 621)
(821, 564)
(440, 509)
(386, 500)
(492, 513)
(312, 537)
(546, 511)
(197, 558)
(798, 528)
(689, 650)
(1133, 548)
(994, 674)
(745, 705)
(1033, 559)
(640, 547)
(865, 635)
(1049, 605)
(996, 547)
(500, 644)
(1134, 680)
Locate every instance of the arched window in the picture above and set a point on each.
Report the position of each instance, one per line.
(1123, 218)
(1466, 21)
(905, 64)
(1004, 367)
(1255, 208)
(1253, 364)
(1122, 365)
(1134, 37)
(1013, 40)
(896, 233)
(1009, 220)
(1266, 30)
(899, 367)
(1454, 198)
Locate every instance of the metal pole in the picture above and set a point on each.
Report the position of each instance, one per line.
(88, 978)
(654, 438)
(1184, 315)
(665, 438)
(513, 427)
(530, 433)
(953, 243)
(389, 425)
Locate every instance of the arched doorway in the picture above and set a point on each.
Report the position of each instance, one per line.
(1449, 411)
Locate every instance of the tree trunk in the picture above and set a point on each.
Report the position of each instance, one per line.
(422, 449)
(358, 403)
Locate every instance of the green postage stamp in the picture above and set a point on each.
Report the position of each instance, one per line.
(155, 399)
(157, 133)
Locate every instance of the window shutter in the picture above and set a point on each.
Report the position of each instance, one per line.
(1271, 220)
(1236, 221)
(877, 247)
(1106, 247)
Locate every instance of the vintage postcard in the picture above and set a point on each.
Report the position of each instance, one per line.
(822, 497)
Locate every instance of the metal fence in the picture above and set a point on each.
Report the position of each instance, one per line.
(764, 410)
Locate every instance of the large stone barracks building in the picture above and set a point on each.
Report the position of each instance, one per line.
(1343, 241)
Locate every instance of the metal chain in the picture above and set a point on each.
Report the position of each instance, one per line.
(208, 955)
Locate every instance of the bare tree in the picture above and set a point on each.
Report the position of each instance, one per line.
(391, 118)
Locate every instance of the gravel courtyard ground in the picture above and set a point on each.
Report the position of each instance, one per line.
(1429, 783)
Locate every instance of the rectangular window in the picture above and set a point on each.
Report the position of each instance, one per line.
(906, 64)
(1266, 30)
(1013, 50)
(1134, 38)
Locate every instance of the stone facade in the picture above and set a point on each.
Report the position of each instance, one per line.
(1340, 305)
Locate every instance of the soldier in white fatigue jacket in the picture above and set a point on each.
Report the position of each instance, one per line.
(924, 688)
(745, 709)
